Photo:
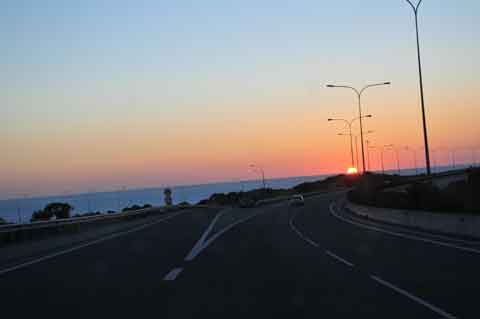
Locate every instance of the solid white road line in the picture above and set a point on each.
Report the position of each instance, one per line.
(412, 237)
(172, 275)
(414, 298)
(294, 228)
(340, 259)
(431, 236)
(97, 241)
(202, 244)
(199, 246)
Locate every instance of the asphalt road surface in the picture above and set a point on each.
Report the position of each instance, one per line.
(275, 261)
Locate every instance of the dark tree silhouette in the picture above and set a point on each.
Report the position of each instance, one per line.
(59, 210)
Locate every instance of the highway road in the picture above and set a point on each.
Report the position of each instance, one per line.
(275, 261)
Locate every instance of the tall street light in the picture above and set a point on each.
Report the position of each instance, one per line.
(474, 157)
(425, 134)
(398, 160)
(368, 154)
(260, 169)
(349, 124)
(434, 153)
(356, 149)
(355, 136)
(351, 146)
(369, 147)
(359, 95)
(414, 152)
(453, 152)
(381, 154)
(397, 156)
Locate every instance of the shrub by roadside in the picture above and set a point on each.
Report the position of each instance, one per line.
(248, 198)
(136, 207)
(59, 210)
(458, 196)
(86, 214)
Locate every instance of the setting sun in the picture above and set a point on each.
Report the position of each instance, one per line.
(352, 171)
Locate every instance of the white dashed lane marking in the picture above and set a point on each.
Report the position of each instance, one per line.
(340, 259)
(172, 275)
(418, 300)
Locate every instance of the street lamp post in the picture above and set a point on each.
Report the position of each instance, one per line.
(381, 155)
(425, 133)
(19, 211)
(359, 95)
(349, 124)
(351, 147)
(369, 147)
(434, 160)
(414, 152)
(356, 148)
(398, 160)
(262, 172)
(453, 158)
(350, 134)
(368, 154)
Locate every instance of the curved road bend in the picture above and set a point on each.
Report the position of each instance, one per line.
(273, 261)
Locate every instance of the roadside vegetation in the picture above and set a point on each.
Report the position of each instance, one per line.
(459, 196)
(136, 207)
(249, 198)
(59, 210)
(244, 199)
(63, 210)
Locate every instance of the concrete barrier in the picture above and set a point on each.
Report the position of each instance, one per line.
(447, 223)
(42, 229)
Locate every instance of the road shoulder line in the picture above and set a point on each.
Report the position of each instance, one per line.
(414, 298)
(340, 259)
(77, 247)
(411, 237)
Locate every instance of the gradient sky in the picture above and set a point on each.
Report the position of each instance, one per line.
(99, 94)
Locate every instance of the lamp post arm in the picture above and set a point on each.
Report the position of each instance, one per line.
(371, 85)
(348, 87)
(413, 6)
(348, 123)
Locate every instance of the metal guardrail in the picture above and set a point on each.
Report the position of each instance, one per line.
(88, 219)
(73, 220)
(16, 232)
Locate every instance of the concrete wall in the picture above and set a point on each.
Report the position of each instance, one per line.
(454, 223)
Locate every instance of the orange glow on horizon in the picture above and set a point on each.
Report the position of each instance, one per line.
(352, 171)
